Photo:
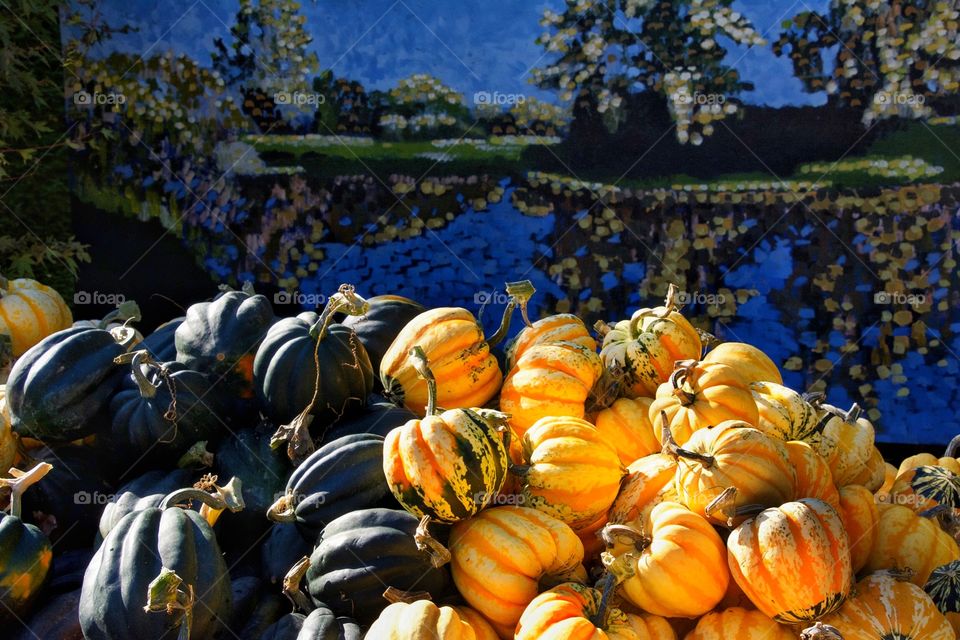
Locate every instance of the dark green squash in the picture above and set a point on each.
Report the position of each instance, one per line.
(221, 337)
(25, 552)
(56, 619)
(269, 608)
(58, 387)
(384, 319)
(342, 476)
(943, 587)
(161, 343)
(282, 548)
(320, 624)
(379, 418)
(161, 409)
(140, 552)
(144, 491)
(363, 552)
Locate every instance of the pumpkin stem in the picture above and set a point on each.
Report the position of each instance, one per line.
(20, 481)
(297, 436)
(345, 300)
(853, 413)
(394, 595)
(951, 451)
(679, 377)
(520, 294)
(168, 593)
(726, 504)
(229, 496)
(196, 456)
(615, 532)
(815, 398)
(670, 301)
(618, 569)
(137, 360)
(602, 329)
(671, 448)
(291, 585)
(607, 388)
(519, 470)
(284, 509)
(418, 359)
(498, 421)
(707, 339)
(820, 631)
(439, 555)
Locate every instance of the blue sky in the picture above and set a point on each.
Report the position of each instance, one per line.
(473, 45)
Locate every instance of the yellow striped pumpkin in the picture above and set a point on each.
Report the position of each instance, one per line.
(908, 541)
(752, 363)
(626, 425)
(846, 441)
(560, 327)
(649, 481)
(783, 413)
(573, 612)
(925, 487)
(813, 474)
(424, 619)
(29, 312)
(860, 515)
(740, 624)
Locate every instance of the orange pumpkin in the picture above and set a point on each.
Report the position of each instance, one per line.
(813, 474)
(550, 379)
(29, 312)
(644, 348)
(424, 619)
(679, 564)
(647, 626)
(572, 612)
(741, 624)
(626, 425)
(858, 510)
(889, 477)
(649, 481)
(571, 472)
(752, 363)
(846, 441)
(926, 487)
(499, 557)
(561, 327)
(908, 541)
(793, 561)
(887, 609)
(872, 474)
(733, 455)
(928, 459)
(783, 413)
(700, 395)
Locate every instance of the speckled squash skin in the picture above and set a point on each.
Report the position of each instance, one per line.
(377, 328)
(649, 481)
(793, 561)
(29, 312)
(25, 556)
(742, 624)
(813, 474)
(885, 609)
(943, 587)
(860, 515)
(626, 425)
(467, 374)
(906, 540)
(846, 443)
(560, 327)
(568, 612)
(926, 487)
(783, 413)
(647, 626)
(424, 619)
(446, 466)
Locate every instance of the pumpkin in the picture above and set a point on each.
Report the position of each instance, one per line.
(8, 442)
(650, 627)
(906, 540)
(220, 337)
(57, 388)
(679, 562)
(281, 550)
(424, 619)
(286, 374)
(550, 379)
(321, 623)
(873, 473)
(887, 609)
(448, 465)
(783, 413)
(162, 342)
(752, 363)
(29, 312)
(340, 477)
(813, 474)
(466, 373)
(25, 552)
(792, 561)
(649, 481)
(929, 460)
(159, 573)
(560, 327)
(742, 624)
(644, 348)
(889, 477)
(161, 409)
(572, 473)
(379, 325)
(858, 510)
(378, 418)
(733, 455)
(626, 425)
(702, 394)
(500, 556)
(147, 490)
(943, 587)
(364, 551)
(55, 619)
(572, 612)
(926, 487)
(845, 440)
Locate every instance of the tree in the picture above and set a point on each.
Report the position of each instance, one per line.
(606, 50)
(887, 58)
(421, 105)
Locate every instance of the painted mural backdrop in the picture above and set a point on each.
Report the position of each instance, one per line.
(794, 172)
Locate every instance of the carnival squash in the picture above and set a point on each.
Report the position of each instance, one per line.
(813, 474)
(860, 515)
(905, 540)
(378, 327)
(626, 425)
(424, 619)
(926, 487)
(649, 481)
(783, 413)
(740, 624)
(846, 441)
(560, 327)
(943, 587)
(29, 312)
(752, 363)
(573, 611)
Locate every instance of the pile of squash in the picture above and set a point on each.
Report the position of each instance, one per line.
(387, 471)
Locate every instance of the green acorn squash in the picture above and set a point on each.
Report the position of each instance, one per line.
(55, 619)
(59, 386)
(379, 418)
(384, 319)
(147, 490)
(25, 552)
(161, 343)
(320, 624)
(281, 550)
(363, 552)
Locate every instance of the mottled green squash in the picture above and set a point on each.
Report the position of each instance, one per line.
(320, 624)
